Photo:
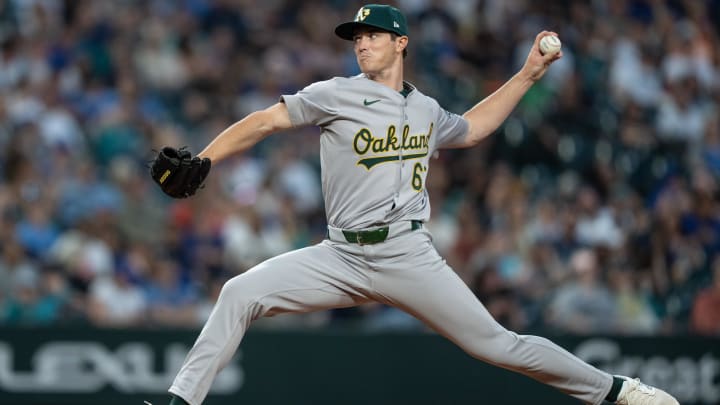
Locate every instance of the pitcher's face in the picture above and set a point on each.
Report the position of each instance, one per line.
(375, 50)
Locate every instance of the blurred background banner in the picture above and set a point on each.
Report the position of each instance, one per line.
(85, 366)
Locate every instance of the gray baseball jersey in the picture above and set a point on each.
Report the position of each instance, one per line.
(389, 138)
(376, 144)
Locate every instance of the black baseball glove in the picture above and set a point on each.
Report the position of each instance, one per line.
(177, 173)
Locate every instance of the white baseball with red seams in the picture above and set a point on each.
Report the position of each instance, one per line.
(550, 44)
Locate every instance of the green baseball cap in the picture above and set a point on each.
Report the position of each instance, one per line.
(387, 18)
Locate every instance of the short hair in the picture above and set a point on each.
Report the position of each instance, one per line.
(394, 36)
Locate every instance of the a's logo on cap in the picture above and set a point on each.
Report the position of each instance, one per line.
(362, 14)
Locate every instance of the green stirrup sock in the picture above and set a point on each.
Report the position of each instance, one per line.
(614, 390)
(178, 401)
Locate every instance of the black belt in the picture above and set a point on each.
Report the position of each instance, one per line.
(376, 235)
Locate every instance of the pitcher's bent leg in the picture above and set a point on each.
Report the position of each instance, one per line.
(305, 280)
(426, 287)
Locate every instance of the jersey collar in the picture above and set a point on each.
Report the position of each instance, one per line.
(406, 90)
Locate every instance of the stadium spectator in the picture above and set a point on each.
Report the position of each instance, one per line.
(705, 314)
(583, 305)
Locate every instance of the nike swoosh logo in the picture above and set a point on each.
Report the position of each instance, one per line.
(370, 102)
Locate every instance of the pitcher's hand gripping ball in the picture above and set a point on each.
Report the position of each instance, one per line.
(550, 44)
(177, 173)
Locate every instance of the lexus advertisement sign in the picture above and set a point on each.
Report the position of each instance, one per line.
(89, 366)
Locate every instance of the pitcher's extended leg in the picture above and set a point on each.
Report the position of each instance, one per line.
(423, 285)
(309, 279)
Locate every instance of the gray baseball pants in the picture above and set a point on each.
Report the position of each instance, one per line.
(404, 271)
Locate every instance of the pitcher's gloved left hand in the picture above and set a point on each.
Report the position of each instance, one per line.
(178, 173)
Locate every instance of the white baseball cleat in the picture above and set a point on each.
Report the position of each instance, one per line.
(633, 392)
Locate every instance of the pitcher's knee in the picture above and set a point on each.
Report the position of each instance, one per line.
(231, 287)
(240, 294)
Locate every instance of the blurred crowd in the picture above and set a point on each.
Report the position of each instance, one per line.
(593, 209)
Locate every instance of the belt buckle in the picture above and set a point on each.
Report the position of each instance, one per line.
(359, 238)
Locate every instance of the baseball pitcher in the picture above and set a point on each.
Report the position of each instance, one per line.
(378, 133)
